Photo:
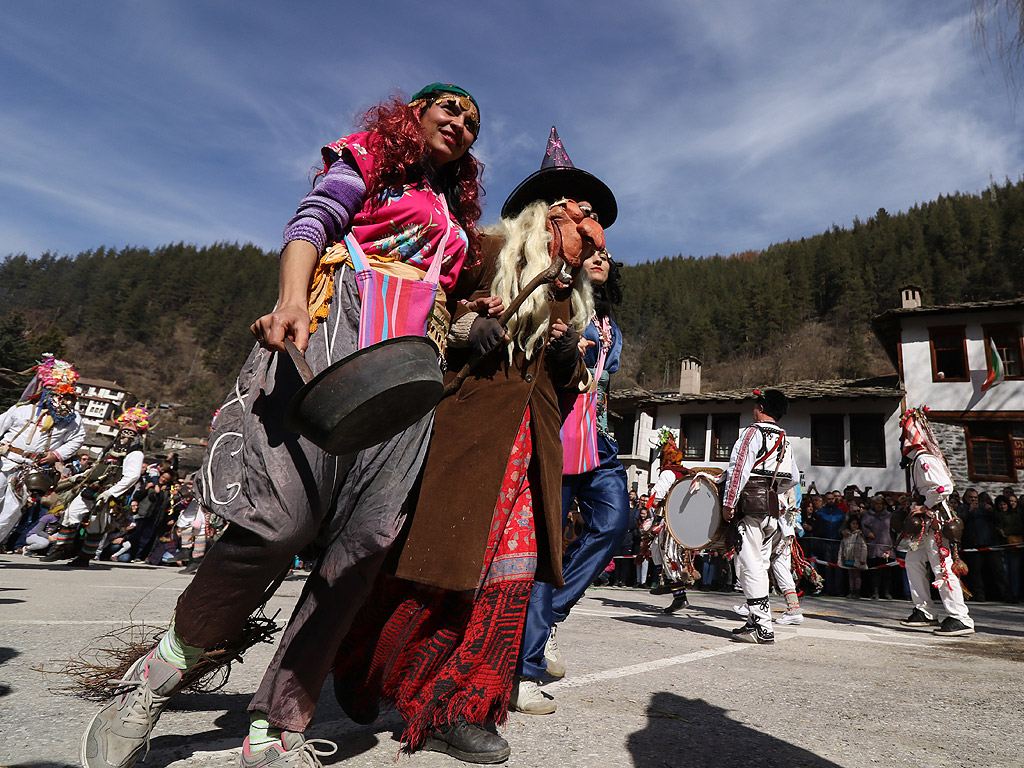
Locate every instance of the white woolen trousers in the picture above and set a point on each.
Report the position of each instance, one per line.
(10, 506)
(919, 577)
(754, 557)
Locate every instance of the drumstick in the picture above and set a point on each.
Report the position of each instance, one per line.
(549, 275)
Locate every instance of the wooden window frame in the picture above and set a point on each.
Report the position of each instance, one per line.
(1008, 441)
(684, 442)
(853, 448)
(815, 461)
(1012, 329)
(949, 330)
(714, 454)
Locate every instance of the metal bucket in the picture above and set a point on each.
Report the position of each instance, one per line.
(368, 397)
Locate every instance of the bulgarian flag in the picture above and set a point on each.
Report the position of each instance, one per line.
(996, 369)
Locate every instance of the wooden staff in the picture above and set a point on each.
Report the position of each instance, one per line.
(549, 275)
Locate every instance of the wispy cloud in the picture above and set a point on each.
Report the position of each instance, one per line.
(721, 127)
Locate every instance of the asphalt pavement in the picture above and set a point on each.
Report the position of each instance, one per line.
(848, 687)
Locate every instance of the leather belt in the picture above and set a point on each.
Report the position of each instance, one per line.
(19, 451)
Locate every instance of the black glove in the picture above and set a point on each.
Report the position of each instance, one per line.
(485, 335)
(564, 351)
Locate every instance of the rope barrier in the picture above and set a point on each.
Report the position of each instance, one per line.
(897, 561)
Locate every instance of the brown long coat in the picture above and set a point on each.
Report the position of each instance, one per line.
(444, 542)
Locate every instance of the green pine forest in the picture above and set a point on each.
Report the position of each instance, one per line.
(171, 324)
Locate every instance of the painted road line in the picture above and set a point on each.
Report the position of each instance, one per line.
(647, 666)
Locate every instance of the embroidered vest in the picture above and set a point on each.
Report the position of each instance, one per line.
(772, 452)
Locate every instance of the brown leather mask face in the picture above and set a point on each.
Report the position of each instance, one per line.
(575, 232)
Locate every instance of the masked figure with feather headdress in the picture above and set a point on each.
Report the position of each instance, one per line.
(39, 431)
(109, 480)
(932, 533)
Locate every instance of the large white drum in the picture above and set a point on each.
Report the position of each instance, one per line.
(693, 512)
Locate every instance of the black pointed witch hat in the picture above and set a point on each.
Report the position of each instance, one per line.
(558, 178)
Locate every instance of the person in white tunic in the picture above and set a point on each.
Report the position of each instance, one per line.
(782, 560)
(39, 431)
(760, 467)
(113, 476)
(936, 531)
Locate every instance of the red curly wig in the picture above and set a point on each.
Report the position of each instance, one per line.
(400, 152)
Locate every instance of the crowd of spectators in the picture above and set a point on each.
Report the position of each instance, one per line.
(158, 522)
(851, 536)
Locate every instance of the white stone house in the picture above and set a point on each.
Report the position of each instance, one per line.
(99, 403)
(843, 432)
(941, 354)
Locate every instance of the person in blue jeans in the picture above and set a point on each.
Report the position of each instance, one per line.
(827, 531)
(603, 501)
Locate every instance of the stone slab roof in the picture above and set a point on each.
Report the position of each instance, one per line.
(961, 306)
(111, 385)
(880, 387)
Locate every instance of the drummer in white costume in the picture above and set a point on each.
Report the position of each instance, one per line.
(760, 467)
(664, 550)
(938, 532)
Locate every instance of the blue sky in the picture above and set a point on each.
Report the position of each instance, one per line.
(721, 127)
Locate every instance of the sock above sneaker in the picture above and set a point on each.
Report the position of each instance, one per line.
(261, 733)
(174, 652)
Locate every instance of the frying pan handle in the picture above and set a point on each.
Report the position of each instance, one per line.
(547, 276)
(299, 360)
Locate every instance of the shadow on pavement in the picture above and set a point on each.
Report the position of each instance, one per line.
(10, 600)
(691, 732)
(6, 654)
(230, 726)
(95, 565)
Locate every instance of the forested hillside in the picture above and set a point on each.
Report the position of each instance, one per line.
(171, 324)
(727, 310)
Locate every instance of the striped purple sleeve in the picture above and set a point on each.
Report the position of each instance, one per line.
(325, 212)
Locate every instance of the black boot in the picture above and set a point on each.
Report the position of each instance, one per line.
(469, 743)
(678, 603)
(55, 554)
(82, 561)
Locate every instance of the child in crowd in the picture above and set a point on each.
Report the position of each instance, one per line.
(853, 553)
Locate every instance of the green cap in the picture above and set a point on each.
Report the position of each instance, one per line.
(429, 90)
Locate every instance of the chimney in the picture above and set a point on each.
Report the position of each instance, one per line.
(910, 297)
(689, 376)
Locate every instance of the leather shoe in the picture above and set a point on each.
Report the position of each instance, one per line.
(678, 603)
(469, 743)
(58, 553)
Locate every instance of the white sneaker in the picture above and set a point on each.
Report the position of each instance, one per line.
(552, 657)
(742, 610)
(792, 616)
(529, 698)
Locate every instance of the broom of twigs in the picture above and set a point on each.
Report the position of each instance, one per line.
(93, 674)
